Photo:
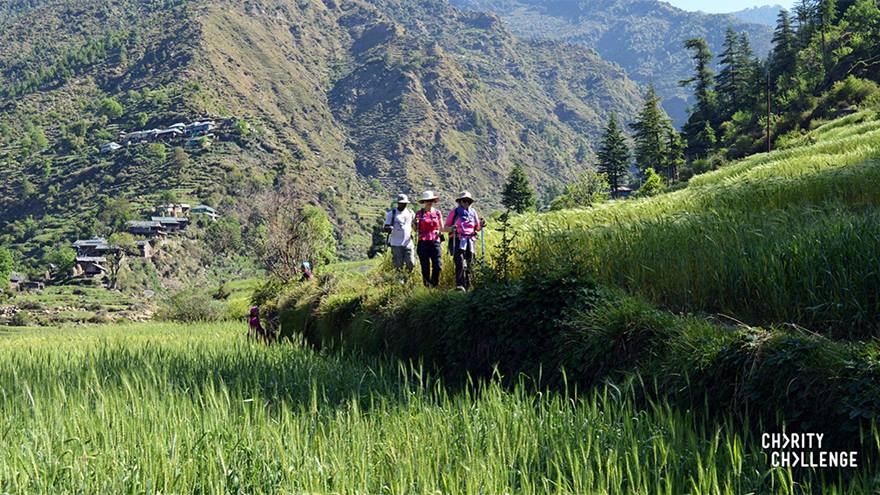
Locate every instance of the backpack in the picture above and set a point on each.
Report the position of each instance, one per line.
(394, 212)
(453, 238)
(421, 215)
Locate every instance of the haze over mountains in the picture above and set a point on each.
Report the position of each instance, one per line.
(765, 14)
(349, 102)
(645, 37)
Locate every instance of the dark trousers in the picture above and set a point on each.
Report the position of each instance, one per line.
(429, 258)
(463, 259)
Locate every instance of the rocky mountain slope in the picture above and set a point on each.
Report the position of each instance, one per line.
(348, 101)
(645, 37)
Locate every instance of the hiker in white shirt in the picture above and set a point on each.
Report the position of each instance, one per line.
(399, 225)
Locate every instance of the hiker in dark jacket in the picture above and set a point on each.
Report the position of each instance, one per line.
(429, 224)
(256, 330)
(464, 224)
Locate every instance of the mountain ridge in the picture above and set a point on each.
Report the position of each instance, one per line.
(763, 14)
(645, 37)
(348, 102)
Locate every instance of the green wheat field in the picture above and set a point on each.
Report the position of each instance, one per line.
(166, 408)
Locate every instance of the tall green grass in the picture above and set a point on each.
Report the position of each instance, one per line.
(174, 409)
(786, 237)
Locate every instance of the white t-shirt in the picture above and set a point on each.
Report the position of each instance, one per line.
(401, 223)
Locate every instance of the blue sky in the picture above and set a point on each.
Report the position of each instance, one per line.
(723, 5)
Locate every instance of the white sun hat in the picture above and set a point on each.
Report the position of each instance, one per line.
(428, 196)
(465, 195)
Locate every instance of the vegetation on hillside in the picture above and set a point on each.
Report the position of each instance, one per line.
(750, 290)
(643, 37)
(185, 409)
(825, 63)
(786, 237)
(344, 105)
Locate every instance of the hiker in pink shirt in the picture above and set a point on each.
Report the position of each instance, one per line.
(429, 225)
(464, 224)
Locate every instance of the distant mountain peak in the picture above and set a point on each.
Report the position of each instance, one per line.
(765, 14)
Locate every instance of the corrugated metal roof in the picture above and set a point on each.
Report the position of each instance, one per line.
(143, 224)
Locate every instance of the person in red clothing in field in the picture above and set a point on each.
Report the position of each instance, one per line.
(256, 329)
(429, 225)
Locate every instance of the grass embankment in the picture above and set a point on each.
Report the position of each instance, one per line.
(786, 237)
(780, 239)
(174, 409)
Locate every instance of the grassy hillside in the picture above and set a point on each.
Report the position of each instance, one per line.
(181, 409)
(788, 237)
(752, 290)
(646, 38)
(350, 102)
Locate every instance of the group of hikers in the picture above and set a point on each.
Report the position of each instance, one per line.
(463, 225)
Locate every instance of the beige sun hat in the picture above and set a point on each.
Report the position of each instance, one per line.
(428, 196)
(402, 199)
(465, 195)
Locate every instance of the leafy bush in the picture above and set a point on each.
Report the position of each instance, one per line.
(21, 319)
(190, 306)
(99, 319)
(110, 108)
(29, 304)
(653, 184)
(850, 92)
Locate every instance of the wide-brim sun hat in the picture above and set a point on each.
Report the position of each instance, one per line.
(465, 195)
(402, 199)
(428, 196)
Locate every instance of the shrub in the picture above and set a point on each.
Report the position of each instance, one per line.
(190, 306)
(99, 319)
(619, 334)
(852, 91)
(222, 292)
(29, 304)
(653, 184)
(21, 319)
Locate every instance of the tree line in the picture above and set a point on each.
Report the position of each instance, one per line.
(825, 61)
(73, 62)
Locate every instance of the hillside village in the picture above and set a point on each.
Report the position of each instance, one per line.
(94, 255)
(193, 135)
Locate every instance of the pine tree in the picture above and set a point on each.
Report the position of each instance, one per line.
(649, 131)
(703, 79)
(518, 194)
(705, 111)
(613, 154)
(736, 66)
(827, 16)
(747, 63)
(728, 77)
(805, 15)
(675, 148)
(784, 47)
(705, 140)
